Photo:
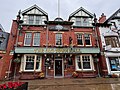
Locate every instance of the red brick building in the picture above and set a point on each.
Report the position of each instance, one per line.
(56, 48)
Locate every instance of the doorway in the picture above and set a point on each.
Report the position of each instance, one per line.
(58, 68)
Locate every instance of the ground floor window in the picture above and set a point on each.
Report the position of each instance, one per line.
(32, 62)
(84, 62)
(114, 63)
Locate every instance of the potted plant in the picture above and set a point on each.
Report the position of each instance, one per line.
(75, 74)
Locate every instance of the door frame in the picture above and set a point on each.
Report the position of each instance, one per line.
(62, 68)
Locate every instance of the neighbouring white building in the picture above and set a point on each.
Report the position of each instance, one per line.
(109, 32)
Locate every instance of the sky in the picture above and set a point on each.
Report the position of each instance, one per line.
(10, 8)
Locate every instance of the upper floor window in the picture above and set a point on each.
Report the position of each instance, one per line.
(34, 19)
(32, 38)
(83, 39)
(36, 39)
(113, 41)
(83, 62)
(82, 21)
(28, 39)
(58, 39)
(87, 39)
(79, 39)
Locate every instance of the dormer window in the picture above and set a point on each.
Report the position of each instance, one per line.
(81, 21)
(34, 20)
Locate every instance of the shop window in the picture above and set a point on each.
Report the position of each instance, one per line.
(28, 39)
(83, 62)
(36, 39)
(32, 63)
(113, 41)
(114, 63)
(38, 62)
(58, 39)
(29, 63)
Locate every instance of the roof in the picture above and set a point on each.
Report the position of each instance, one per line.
(113, 16)
(32, 7)
(1, 28)
(81, 9)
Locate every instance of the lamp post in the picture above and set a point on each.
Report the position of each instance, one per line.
(96, 33)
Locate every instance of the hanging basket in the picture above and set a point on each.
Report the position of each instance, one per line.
(17, 60)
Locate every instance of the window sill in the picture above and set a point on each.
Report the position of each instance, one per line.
(85, 70)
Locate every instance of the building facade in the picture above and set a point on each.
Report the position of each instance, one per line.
(110, 43)
(57, 48)
(4, 36)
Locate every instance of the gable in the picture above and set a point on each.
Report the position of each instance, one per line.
(34, 10)
(81, 12)
(115, 15)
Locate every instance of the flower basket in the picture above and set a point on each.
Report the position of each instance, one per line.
(41, 75)
(14, 86)
(75, 74)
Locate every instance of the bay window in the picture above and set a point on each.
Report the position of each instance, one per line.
(32, 62)
(112, 40)
(84, 62)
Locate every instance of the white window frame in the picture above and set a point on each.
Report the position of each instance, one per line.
(26, 37)
(40, 67)
(34, 20)
(82, 39)
(35, 37)
(56, 39)
(91, 63)
(90, 40)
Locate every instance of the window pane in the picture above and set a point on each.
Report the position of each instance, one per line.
(31, 19)
(58, 39)
(36, 39)
(114, 63)
(79, 39)
(78, 62)
(28, 38)
(85, 21)
(38, 62)
(87, 39)
(113, 41)
(38, 19)
(29, 63)
(78, 21)
(86, 62)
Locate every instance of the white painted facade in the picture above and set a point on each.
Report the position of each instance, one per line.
(109, 51)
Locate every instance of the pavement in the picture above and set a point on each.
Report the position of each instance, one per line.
(74, 84)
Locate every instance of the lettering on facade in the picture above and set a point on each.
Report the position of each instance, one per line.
(57, 50)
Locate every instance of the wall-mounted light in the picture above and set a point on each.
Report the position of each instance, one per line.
(2, 38)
